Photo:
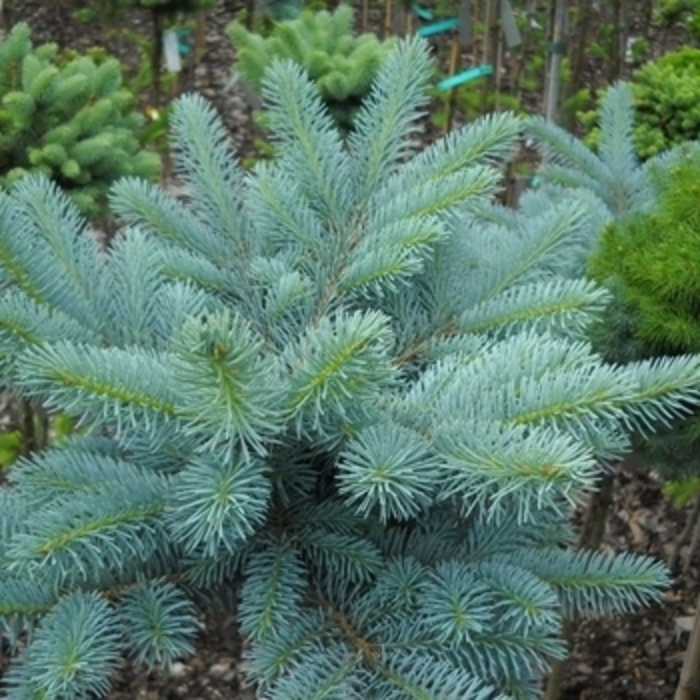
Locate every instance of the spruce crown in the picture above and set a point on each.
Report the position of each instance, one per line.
(344, 379)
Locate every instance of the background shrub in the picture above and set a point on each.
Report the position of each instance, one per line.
(68, 117)
(342, 65)
(667, 103)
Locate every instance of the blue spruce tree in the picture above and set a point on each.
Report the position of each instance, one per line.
(345, 382)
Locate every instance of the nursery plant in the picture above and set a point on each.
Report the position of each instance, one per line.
(67, 117)
(346, 383)
(341, 64)
(685, 12)
(666, 106)
(653, 259)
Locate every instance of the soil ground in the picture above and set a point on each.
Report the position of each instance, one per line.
(636, 657)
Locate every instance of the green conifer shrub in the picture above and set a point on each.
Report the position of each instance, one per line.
(653, 260)
(667, 108)
(69, 118)
(346, 381)
(342, 65)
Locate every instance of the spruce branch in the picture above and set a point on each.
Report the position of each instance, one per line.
(218, 502)
(389, 470)
(24, 322)
(159, 622)
(223, 383)
(383, 127)
(48, 214)
(596, 583)
(73, 652)
(305, 132)
(99, 384)
(346, 356)
(274, 591)
(148, 207)
(560, 306)
(206, 165)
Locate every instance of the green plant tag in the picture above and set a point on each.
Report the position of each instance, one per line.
(465, 77)
(422, 12)
(438, 27)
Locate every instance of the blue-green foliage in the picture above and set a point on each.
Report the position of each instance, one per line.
(345, 380)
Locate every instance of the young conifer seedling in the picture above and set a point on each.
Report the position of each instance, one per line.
(328, 381)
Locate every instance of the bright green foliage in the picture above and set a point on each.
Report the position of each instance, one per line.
(667, 102)
(656, 255)
(654, 261)
(342, 65)
(345, 381)
(667, 99)
(68, 118)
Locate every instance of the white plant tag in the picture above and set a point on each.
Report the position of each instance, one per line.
(171, 51)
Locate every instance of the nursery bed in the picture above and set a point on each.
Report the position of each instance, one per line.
(634, 657)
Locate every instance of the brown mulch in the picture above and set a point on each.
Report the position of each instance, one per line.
(633, 657)
(638, 657)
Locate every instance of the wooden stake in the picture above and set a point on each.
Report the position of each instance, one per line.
(388, 17)
(200, 36)
(691, 549)
(519, 62)
(555, 58)
(398, 21)
(689, 682)
(452, 97)
(693, 519)
(490, 52)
